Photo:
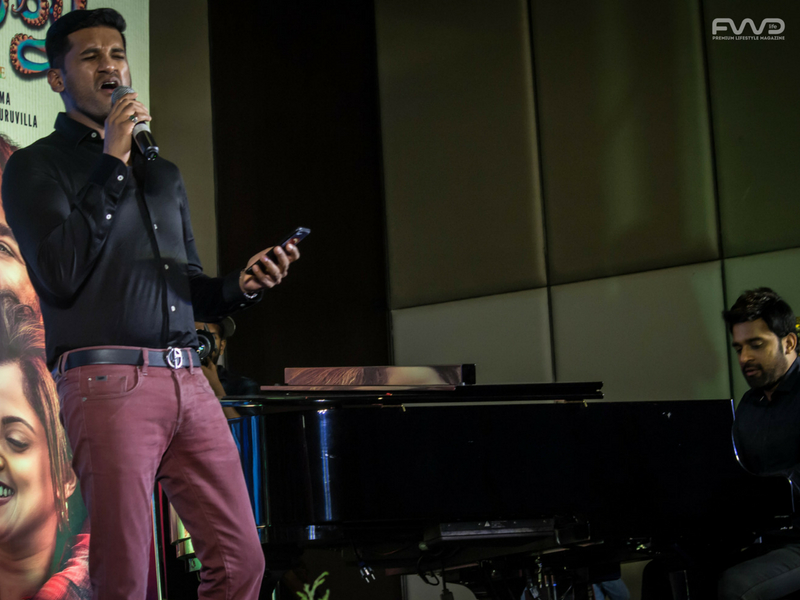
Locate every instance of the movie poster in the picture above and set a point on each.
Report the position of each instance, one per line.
(43, 524)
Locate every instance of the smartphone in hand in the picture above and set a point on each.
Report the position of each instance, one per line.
(293, 238)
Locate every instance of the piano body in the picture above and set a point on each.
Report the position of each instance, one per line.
(416, 478)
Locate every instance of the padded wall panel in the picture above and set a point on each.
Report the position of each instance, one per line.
(625, 136)
(506, 336)
(755, 93)
(777, 270)
(460, 163)
(654, 335)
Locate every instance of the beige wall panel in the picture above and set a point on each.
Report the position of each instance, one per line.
(460, 164)
(625, 137)
(755, 94)
(506, 336)
(654, 335)
(777, 270)
(181, 108)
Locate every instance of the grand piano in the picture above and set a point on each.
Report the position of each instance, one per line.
(544, 487)
(528, 482)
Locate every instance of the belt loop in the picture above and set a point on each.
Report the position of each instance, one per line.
(145, 360)
(189, 357)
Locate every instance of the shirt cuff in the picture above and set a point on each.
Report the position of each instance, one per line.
(232, 293)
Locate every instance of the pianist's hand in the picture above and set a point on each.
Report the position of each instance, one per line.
(267, 273)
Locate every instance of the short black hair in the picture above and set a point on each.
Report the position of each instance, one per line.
(762, 303)
(57, 43)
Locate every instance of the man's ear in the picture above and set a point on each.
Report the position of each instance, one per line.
(790, 342)
(55, 80)
(222, 345)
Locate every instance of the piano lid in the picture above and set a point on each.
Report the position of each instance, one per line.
(417, 384)
(352, 396)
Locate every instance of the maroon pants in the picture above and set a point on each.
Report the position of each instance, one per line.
(130, 427)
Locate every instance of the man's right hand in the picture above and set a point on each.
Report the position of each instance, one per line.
(119, 126)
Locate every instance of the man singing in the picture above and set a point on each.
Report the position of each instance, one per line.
(109, 248)
(766, 433)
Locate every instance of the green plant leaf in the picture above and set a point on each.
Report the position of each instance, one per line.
(309, 591)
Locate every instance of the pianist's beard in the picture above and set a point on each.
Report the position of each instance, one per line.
(764, 377)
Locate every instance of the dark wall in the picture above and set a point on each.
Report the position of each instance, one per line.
(297, 143)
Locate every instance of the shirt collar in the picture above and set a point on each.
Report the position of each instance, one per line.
(790, 379)
(73, 131)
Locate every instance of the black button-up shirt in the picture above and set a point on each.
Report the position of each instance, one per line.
(767, 432)
(109, 248)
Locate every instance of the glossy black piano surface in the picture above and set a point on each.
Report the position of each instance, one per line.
(347, 467)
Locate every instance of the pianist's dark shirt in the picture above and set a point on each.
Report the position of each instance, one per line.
(109, 248)
(767, 432)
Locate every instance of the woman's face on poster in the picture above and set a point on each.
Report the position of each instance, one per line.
(13, 275)
(26, 489)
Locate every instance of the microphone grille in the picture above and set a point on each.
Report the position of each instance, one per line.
(119, 92)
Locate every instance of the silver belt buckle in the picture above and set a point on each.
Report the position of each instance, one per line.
(175, 358)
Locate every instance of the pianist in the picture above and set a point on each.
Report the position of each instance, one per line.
(766, 432)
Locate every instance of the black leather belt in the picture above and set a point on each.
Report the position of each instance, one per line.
(175, 358)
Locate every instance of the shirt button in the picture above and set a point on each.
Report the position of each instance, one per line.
(94, 134)
(120, 178)
(166, 267)
(241, 305)
(108, 217)
(172, 308)
(155, 226)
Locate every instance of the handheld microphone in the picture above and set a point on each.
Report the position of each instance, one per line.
(141, 131)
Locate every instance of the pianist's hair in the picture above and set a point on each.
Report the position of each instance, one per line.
(22, 343)
(762, 303)
(57, 42)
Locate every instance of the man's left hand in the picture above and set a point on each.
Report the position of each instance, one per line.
(267, 273)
